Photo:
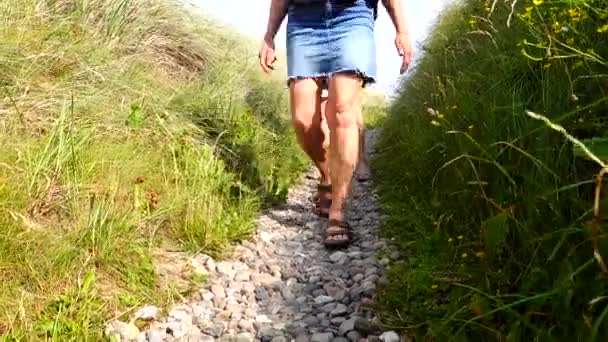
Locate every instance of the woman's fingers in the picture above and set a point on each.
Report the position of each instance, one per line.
(405, 51)
(262, 60)
(270, 59)
(404, 66)
(267, 58)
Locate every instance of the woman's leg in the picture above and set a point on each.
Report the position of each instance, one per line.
(363, 172)
(342, 111)
(306, 119)
(324, 126)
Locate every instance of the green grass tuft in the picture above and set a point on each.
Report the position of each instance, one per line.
(126, 127)
(492, 207)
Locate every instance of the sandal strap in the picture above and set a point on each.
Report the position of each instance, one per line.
(337, 227)
(339, 223)
(324, 187)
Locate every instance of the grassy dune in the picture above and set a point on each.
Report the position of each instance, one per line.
(126, 127)
(491, 208)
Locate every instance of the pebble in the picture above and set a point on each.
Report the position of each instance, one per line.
(339, 310)
(218, 291)
(354, 336)
(322, 337)
(147, 313)
(283, 285)
(348, 325)
(340, 339)
(322, 299)
(390, 336)
(244, 337)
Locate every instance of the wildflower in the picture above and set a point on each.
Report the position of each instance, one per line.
(547, 66)
(454, 107)
(528, 14)
(441, 116)
(435, 123)
(432, 111)
(464, 255)
(480, 254)
(538, 2)
(570, 41)
(450, 240)
(575, 15)
(471, 127)
(472, 22)
(603, 29)
(434, 286)
(460, 237)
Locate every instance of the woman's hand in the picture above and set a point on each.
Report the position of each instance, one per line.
(404, 48)
(267, 55)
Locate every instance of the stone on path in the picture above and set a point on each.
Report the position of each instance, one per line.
(390, 336)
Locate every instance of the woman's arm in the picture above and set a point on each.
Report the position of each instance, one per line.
(402, 41)
(278, 11)
(267, 56)
(395, 11)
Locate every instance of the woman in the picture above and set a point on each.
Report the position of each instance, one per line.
(330, 42)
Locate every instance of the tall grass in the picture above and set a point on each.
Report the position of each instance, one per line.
(126, 127)
(491, 208)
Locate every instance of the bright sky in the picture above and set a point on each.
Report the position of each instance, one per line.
(250, 17)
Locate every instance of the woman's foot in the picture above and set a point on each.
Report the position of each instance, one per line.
(363, 172)
(337, 234)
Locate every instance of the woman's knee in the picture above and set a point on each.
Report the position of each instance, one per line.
(304, 119)
(345, 115)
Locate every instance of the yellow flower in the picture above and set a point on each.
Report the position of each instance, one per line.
(603, 29)
(464, 255)
(454, 107)
(435, 123)
(538, 2)
(460, 237)
(434, 286)
(441, 116)
(529, 9)
(472, 21)
(450, 240)
(480, 254)
(570, 41)
(547, 66)
(471, 127)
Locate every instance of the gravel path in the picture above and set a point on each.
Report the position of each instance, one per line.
(283, 285)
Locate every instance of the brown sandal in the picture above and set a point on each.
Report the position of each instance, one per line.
(322, 203)
(337, 228)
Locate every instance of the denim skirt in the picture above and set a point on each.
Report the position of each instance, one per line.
(331, 37)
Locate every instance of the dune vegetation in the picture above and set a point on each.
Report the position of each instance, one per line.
(490, 204)
(126, 128)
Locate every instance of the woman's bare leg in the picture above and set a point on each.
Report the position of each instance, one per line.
(306, 120)
(363, 171)
(342, 111)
